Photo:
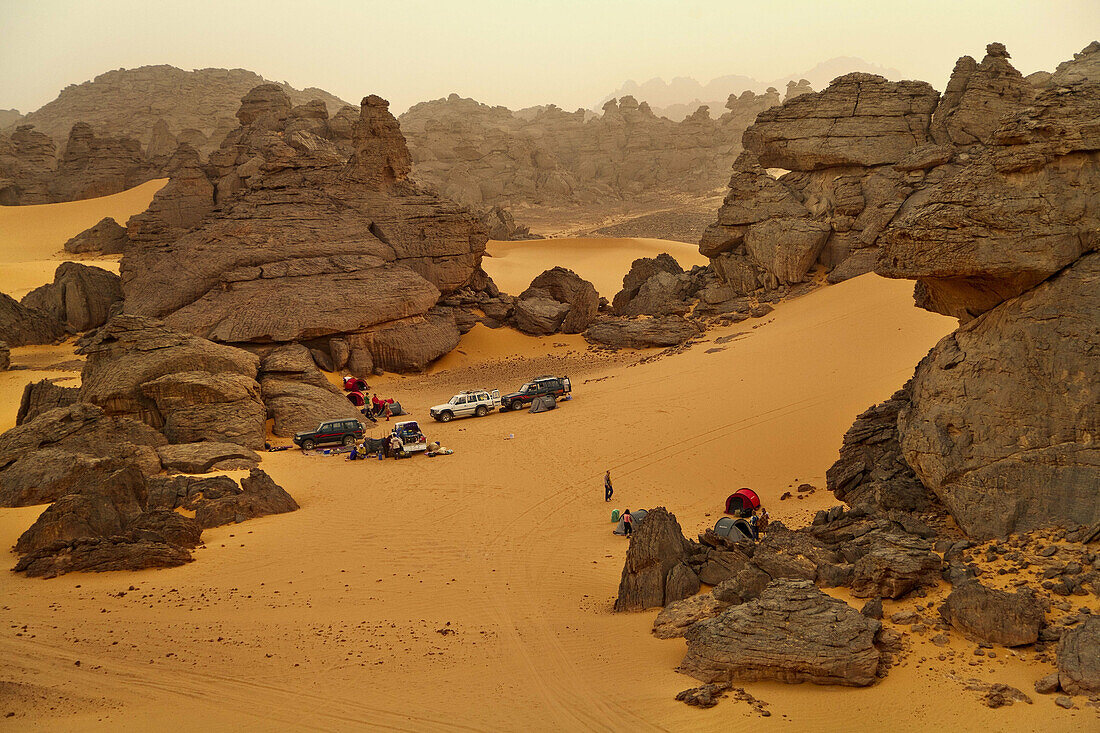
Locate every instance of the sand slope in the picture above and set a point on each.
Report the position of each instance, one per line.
(473, 592)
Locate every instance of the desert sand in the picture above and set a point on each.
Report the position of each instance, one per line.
(474, 591)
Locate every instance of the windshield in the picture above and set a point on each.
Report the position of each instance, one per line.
(454, 400)
(527, 388)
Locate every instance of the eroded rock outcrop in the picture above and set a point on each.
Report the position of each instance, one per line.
(655, 573)
(540, 311)
(642, 333)
(259, 496)
(80, 297)
(338, 242)
(994, 616)
(792, 633)
(106, 237)
(297, 395)
(187, 387)
(23, 326)
(44, 395)
(1079, 658)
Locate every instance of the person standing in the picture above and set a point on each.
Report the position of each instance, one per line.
(608, 490)
(762, 525)
(628, 523)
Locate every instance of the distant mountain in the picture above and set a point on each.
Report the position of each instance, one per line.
(680, 97)
(198, 106)
(9, 117)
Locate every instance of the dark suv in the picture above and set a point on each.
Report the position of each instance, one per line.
(556, 386)
(345, 432)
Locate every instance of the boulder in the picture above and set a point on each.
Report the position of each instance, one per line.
(206, 456)
(654, 573)
(259, 496)
(189, 387)
(566, 287)
(871, 471)
(5, 357)
(540, 316)
(993, 616)
(296, 394)
(792, 633)
(106, 237)
(23, 326)
(642, 333)
(108, 497)
(977, 96)
(1003, 411)
(1079, 658)
(179, 205)
(44, 395)
(47, 456)
(895, 565)
(100, 554)
(678, 616)
(79, 298)
(166, 493)
(93, 166)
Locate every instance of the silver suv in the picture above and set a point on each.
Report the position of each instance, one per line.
(478, 402)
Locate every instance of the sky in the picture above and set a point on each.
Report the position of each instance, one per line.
(517, 53)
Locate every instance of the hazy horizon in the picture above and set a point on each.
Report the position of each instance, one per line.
(518, 54)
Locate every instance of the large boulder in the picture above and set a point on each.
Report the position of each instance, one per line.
(206, 456)
(44, 395)
(93, 165)
(642, 333)
(994, 616)
(792, 633)
(655, 573)
(539, 316)
(106, 237)
(23, 326)
(46, 456)
(679, 616)
(568, 288)
(977, 96)
(101, 554)
(79, 298)
(296, 394)
(894, 565)
(1079, 658)
(1004, 411)
(189, 387)
(871, 471)
(258, 497)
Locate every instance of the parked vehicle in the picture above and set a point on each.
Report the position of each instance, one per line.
(478, 403)
(412, 440)
(344, 432)
(557, 387)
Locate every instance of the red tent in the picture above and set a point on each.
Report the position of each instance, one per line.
(354, 383)
(356, 398)
(742, 499)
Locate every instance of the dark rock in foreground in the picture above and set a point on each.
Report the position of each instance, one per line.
(1079, 658)
(655, 573)
(792, 633)
(206, 456)
(259, 496)
(79, 298)
(95, 554)
(994, 616)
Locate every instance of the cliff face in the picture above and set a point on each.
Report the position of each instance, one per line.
(994, 209)
(151, 103)
(486, 156)
(308, 231)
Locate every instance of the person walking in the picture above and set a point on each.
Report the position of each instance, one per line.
(608, 490)
(628, 523)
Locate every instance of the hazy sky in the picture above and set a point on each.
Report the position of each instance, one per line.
(517, 52)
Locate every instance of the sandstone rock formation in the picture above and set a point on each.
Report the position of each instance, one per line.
(187, 387)
(92, 166)
(22, 326)
(206, 456)
(554, 288)
(792, 633)
(106, 237)
(655, 573)
(5, 356)
(258, 497)
(195, 107)
(345, 247)
(44, 395)
(79, 298)
(1079, 658)
(297, 395)
(642, 333)
(97, 554)
(27, 160)
(44, 457)
(677, 617)
(485, 156)
(994, 616)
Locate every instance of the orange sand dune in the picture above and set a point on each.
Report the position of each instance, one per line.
(603, 262)
(474, 591)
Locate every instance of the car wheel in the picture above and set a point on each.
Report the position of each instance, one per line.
(515, 405)
(481, 411)
(349, 440)
(308, 445)
(445, 416)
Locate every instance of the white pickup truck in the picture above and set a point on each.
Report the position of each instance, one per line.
(478, 402)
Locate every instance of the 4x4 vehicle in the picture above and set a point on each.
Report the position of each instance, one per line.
(556, 386)
(412, 440)
(345, 432)
(478, 403)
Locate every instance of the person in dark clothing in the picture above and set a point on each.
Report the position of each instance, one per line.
(608, 490)
(628, 523)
